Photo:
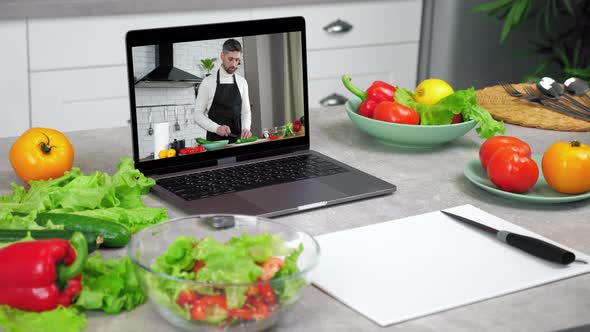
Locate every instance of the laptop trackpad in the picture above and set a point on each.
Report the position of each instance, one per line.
(291, 195)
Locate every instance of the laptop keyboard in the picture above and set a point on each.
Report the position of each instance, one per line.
(250, 176)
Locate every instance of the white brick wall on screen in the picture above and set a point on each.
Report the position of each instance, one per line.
(187, 57)
(144, 60)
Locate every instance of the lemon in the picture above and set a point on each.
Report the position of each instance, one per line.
(431, 90)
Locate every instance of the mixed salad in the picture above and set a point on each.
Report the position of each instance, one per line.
(244, 279)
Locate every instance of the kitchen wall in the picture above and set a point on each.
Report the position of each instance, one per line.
(186, 56)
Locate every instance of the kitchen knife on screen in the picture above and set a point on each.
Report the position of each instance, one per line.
(525, 243)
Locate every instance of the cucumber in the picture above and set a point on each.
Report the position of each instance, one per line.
(12, 235)
(115, 235)
(203, 141)
(247, 140)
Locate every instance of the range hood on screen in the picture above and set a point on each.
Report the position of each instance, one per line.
(166, 75)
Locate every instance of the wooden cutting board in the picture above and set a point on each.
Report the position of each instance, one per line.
(523, 113)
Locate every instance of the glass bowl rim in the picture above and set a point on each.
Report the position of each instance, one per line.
(307, 269)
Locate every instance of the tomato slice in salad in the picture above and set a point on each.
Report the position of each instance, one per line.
(186, 297)
(271, 267)
(254, 309)
(267, 294)
(210, 307)
(198, 266)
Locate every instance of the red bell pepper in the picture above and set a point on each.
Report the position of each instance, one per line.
(39, 275)
(378, 92)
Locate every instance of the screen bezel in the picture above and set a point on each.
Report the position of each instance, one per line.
(205, 32)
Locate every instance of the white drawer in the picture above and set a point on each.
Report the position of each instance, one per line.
(100, 41)
(80, 99)
(332, 88)
(14, 90)
(395, 64)
(377, 22)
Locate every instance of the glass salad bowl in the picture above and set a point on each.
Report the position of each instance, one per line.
(223, 272)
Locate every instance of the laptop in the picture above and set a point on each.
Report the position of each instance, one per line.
(274, 173)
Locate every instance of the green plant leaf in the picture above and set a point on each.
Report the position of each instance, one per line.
(568, 6)
(515, 17)
(546, 17)
(490, 6)
(583, 73)
(554, 9)
(499, 13)
(562, 56)
(507, 25)
(577, 51)
(522, 11)
(539, 68)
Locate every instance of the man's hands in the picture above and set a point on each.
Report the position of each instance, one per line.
(245, 133)
(225, 131)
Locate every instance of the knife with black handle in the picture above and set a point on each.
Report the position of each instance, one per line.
(531, 245)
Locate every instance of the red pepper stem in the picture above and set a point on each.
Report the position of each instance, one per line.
(78, 242)
(346, 80)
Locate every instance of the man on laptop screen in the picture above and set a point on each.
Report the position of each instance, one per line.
(223, 105)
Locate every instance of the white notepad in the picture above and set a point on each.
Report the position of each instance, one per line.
(407, 268)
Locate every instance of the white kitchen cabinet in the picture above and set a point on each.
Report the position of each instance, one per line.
(14, 88)
(80, 98)
(367, 40)
(372, 23)
(399, 67)
(66, 43)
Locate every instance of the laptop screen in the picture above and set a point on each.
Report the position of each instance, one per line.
(205, 92)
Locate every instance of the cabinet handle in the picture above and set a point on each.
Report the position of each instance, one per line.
(338, 27)
(333, 100)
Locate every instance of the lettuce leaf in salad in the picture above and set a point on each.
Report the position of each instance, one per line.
(66, 319)
(289, 287)
(260, 247)
(178, 259)
(110, 285)
(460, 102)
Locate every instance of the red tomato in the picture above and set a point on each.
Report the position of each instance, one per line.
(262, 310)
(186, 297)
(513, 172)
(390, 111)
(254, 309)
(457, 118)
(267, 294)
(492, 145)
(246, 312)
(200, 306)
(271, 267)
(297, 126)
(367, 108)
(198, 266)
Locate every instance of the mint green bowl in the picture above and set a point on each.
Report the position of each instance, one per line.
(216, 145)
(407, 136)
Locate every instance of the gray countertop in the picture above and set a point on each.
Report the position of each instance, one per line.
(427, 181)
(24, 9)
